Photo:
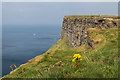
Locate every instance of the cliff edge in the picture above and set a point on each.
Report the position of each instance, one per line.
(94, 37)
(74, 28)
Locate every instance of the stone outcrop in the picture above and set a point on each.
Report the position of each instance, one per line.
(74, 28)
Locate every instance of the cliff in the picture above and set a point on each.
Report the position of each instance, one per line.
(94, 37)
(74, 28)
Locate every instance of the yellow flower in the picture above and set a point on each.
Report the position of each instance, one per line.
(73, 60)
(77, 56)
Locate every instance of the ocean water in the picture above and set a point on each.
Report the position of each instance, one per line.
(21, 43)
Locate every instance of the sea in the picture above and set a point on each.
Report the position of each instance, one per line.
(21, 43)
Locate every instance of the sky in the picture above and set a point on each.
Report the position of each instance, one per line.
(52, 13)
(60, 0)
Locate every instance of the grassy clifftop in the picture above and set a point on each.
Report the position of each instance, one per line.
(101, 61)
(102, 16)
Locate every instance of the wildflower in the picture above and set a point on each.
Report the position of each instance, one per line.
(76, 57)
(62, 64)
(73, 60)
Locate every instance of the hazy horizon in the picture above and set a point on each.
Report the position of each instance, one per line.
(52, 13)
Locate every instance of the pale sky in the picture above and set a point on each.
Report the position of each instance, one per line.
(52, 13)
(60, 0)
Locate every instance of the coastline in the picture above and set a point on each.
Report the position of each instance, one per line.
(62, 44)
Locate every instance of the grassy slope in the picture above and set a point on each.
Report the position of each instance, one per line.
(95, 64)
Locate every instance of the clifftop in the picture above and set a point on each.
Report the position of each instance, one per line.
(74, 28)
(102, 16)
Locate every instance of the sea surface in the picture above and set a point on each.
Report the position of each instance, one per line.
(22, 43)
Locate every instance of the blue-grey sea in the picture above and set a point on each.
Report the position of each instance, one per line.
(21, 43)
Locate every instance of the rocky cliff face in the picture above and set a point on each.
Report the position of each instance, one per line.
(74, 28)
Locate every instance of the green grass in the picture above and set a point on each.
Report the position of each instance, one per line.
(102, 16)
(98, 62)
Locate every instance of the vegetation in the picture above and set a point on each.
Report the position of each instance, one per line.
(102, 16)
(101, 61)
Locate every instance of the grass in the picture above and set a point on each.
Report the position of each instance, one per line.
(101, 61)
(102, 16)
